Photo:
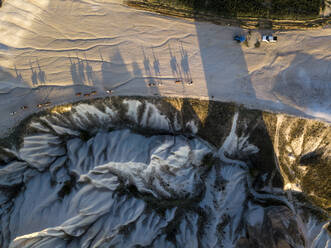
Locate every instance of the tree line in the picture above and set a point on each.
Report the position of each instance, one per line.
(256, 8)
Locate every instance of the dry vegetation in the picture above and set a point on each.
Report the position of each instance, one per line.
(263, 14)
(255, 8)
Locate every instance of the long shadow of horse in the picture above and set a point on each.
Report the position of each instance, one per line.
(34, 75)
(152, 71)
(41, 74)
(75, 73)
(185, 64)
(174, 65)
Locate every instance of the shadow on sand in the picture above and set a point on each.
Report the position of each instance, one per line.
(306, 84)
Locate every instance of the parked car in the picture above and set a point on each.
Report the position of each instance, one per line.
(78, 93)
(269, 38)
(239, 38)
(24, 107)
(12, 113)
(87, 94)
(93, 93)
(109, 91)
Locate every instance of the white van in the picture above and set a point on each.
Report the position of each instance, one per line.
(269, 38)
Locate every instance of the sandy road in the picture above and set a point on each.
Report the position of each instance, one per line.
(49, 50)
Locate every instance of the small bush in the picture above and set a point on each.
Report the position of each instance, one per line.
(67, 187)
(208, 160)
(65, 190)
(84, 135)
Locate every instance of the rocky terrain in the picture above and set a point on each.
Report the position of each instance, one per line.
(183, 153)
(165, 172)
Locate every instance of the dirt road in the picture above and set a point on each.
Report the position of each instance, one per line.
(50, 50)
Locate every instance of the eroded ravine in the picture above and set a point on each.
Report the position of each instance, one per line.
(145, 172)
